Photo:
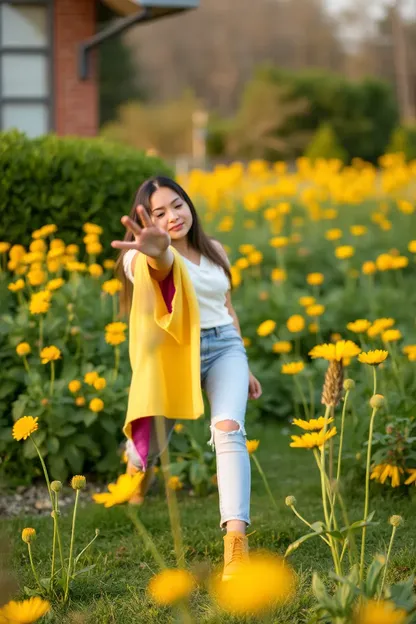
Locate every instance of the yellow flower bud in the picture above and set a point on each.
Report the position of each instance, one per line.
(28, 535)
(78, 482)
(290, 501)
(377, 401)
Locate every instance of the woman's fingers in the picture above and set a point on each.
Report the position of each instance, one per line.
(144, 216)
(124, 244)
(131, 225)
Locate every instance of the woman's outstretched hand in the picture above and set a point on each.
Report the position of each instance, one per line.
(148, 238)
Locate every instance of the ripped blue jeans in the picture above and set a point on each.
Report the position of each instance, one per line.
(224, 378)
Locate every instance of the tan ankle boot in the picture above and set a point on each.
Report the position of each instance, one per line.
(235, 552)
(146, 482)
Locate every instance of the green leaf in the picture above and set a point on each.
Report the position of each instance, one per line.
(198, 473)
(84, 570)
(373, 576)
(90, 418)
(75, 458)
(321, 594)
(52, 445)
(66, 431)
(57, 467)
(295, 545)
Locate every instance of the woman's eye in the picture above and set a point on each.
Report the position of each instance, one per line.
(158, 216)
(178, 205)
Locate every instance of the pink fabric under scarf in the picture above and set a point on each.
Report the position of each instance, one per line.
(142, 427)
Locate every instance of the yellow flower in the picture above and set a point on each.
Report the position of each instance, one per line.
(312, 440)
(412, 478)
(306, 301)
(92, 228)
(24, 612)
(315, 424)
(383, 612)
(369, 268)
(121, 491)
(109, 264)
(406, 207)
(36, 277)
(16, 286)
(279, 241)
(279, 275)
(252, 445)
(246, 248)
(379, 326)
(257, 585)
(246, 341)
(283, 346)
(74, 386)
(409, 349)
(334, 234)
(292, 368)
(313, 328)
(391, 335)
(78, 482)
(112, 286)
(80, 401)
(338, 351)
(412, 246)
(89, 378)
(72, 250)
(373, 357)
(40, 302)
(266, 328)
(242, 263)
(382, 472)
(295, 323)
(24, 427)
(359, 326)
(90, 238)
(255, 257)
(170, 586)
(116, 327)
(93, 249)
(23, 348)
(235, 276)
(96, 405)
(179, 428)
(344, 251)
(358, 230)
(175, 483)
(315, 310)
(4, 247)
(49, 354)
(315, 279)
(28, 535)
(114, 339)
(76, 267)
(100, 383)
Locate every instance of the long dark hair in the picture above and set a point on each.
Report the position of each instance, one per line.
(196, 235)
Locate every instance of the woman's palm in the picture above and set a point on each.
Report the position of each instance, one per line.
(148, 238)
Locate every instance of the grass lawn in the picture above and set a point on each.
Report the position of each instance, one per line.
(115, 590)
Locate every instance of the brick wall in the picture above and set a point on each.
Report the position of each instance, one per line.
(76, 101)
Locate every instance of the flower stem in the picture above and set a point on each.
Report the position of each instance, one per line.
(142, 531)
(116, 361)
(53, 553)
(71, 547)
(266, 484)
(32, 565)
(45, 472)
(58, 534)
(295, 511)
(26, 365)
(325, 509)
(375, 379)
(367, 490)
(393, 533)
(52, 378)
(341, 437)
(40, 333)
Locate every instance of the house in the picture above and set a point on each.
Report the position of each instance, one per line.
(47, 77)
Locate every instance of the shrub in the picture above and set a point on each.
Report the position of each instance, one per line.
(67, 181)
(403, 140)
(325, 144)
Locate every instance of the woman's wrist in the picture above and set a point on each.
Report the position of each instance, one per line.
(163, 262)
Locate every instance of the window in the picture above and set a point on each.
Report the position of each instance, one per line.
(25, 66)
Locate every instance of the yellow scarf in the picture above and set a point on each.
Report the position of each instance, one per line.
(164, 348)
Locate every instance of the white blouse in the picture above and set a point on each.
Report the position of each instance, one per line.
(210, 283)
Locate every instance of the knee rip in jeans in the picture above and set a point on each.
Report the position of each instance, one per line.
(225, 426)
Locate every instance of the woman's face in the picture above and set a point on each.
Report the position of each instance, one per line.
(171, 213)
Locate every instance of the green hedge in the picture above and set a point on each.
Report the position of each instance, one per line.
(68, 181)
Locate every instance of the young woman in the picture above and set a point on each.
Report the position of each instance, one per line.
(163, 229)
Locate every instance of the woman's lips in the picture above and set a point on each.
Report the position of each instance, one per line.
(177, 227)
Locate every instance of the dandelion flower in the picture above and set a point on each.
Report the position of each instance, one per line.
(315, 424)
(50, 354)
(306, 301)
(96, 405)
(252, 445)
(74, 386)
(369, 268)
(381, 612)
(315, 279)
(175, 483)
(312, 440)
(266, 328)
(121, 491)
(24, 427)
(338, 351)
(344, 252)
(359, 326)
(391, 335)
(258, 584)
(279, 275)
(100, 383)
(170, 586)
(373, 357)
(333, 234)
(16, 286)
(315, 310)
(28, 535)
(80, 401)
(112, 286)
(380, 325)
(292, 368)
(282, 346)
(278, 242)
(90, 377)
(115, 339)
(295, 323)
(26, 611)
(23, 348)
